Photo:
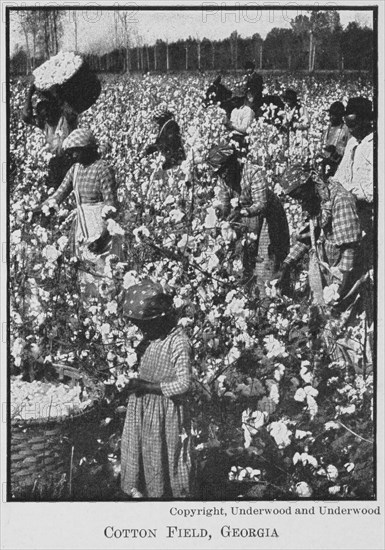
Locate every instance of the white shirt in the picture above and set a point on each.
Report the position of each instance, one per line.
(242, 118)
(355, 171)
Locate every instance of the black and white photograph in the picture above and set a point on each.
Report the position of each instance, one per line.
(192, 318)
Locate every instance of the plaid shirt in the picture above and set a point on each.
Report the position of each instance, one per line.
(96, 183)
(342, 232)
(262, 204)
(253, 192)
(168, 361)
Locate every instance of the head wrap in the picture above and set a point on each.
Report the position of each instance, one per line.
(145, 301)
(82, 137)
(294, 176)
(218, 155)
(161, 110)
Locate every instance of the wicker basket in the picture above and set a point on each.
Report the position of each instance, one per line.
(41, 449)
(81, 90)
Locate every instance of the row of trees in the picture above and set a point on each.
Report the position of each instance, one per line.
(317, 41)
(42, 31)
(190, 54)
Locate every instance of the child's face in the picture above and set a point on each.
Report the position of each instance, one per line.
(156, 328)
(75, 153)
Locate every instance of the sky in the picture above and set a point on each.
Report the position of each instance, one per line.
(96, 28)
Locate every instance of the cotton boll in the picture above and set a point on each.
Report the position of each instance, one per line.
(332, 472)
(303, 489)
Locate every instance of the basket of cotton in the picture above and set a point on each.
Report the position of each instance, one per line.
(70, 76)
(45, 416)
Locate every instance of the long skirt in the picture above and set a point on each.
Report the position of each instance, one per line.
(88, 226)
(155, 448)
(268, 264)
(263, 257)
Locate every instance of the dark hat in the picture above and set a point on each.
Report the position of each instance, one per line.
(145, 301)
(218, 155)
(360, 106)
(249, 65)
(290, 94)
(337, 108)
(295, 176)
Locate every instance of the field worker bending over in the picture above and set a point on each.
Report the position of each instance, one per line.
(168, 141)
(337, 227)
(257, 215)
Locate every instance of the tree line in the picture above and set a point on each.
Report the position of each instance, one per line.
(313, 42)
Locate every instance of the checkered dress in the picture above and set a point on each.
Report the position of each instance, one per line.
(96, 183)
(97, 188)
(155, 448)
(342, 232)
(268, 222)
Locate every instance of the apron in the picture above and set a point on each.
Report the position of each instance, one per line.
(89, 225)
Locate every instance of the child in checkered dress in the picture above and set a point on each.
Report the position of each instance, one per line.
(155, 448)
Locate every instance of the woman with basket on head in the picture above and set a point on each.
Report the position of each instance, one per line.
(57, 119)
(156, 440)
(94, 187)
(68, 88)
